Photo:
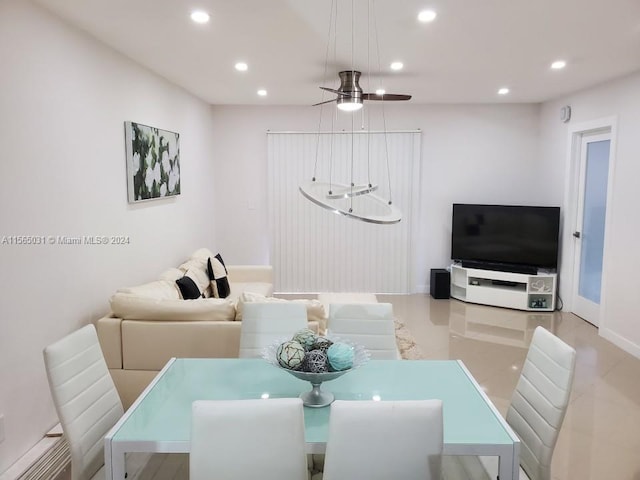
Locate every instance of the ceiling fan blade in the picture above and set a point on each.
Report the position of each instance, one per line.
(388, 97)
(322, 103)
(337, 92)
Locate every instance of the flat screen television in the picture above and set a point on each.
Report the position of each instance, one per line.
(511, 238)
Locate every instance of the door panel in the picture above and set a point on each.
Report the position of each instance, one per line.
(590, 228)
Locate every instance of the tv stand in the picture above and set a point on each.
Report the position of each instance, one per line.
(532, 292)
(500, 267)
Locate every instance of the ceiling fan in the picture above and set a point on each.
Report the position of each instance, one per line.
(350, 96)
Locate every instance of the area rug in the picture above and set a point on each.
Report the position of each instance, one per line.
(409, 349)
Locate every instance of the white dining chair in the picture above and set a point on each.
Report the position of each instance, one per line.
(368, 324)
(381, 440)
(237, 439)
(536, 412)
(85, 399)
(266, 323)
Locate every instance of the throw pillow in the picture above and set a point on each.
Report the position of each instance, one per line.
(218, 277)
(188, 288)
(219, 257)
(194, 282)
(315, 309)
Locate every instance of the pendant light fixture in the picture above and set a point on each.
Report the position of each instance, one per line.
(357, 200)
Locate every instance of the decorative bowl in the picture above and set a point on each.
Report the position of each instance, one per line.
(317, 398)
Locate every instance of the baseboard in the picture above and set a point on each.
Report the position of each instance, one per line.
(620, 341)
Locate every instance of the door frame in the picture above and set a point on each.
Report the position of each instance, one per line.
(576, 133)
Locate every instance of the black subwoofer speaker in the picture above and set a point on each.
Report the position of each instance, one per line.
(440, 280)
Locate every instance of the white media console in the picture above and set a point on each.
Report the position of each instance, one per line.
(504, 289)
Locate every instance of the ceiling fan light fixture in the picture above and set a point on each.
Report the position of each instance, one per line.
(347, 104)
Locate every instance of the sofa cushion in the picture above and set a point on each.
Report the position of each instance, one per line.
(171, 274)
(135, 307)
(315, 309)
(148, 345)
(160, 290)
(237, 288)
(218, 277)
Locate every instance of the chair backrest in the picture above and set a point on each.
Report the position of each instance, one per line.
(540, 401)
(266, 323)
(85, 397)
(368, 324)
(234, 439)
(382, 440)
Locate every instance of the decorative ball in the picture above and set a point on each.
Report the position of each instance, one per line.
(306, 338)
(322, 343)
(290, 355)
(315, 361)
(340, 356)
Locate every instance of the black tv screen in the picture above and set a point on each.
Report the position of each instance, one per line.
(505, 237)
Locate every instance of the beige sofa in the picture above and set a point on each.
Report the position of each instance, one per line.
(150, 323)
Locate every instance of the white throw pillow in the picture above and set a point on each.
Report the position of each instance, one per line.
(315, 309)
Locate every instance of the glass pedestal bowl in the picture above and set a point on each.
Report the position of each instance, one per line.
(317, 398)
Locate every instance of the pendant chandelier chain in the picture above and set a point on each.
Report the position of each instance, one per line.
(384, 118)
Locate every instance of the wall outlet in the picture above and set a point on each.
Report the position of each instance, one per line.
(1, 428)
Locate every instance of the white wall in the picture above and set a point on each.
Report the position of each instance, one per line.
(621, 99)
(470, 153)
(63, 102)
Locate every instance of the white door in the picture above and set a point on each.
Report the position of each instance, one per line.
(589, 232)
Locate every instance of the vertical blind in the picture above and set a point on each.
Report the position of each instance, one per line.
(316, 250)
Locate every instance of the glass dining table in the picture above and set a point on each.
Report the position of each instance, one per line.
(159, 421)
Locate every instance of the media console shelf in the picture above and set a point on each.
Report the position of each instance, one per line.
(504, 289)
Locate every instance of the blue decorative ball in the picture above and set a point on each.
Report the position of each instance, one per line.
(340, 356)
(290, 355)
(315, 361)
(306, 338)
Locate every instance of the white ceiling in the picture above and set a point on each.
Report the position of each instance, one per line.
(464, 56)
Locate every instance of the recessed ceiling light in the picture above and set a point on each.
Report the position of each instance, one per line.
(558, 64)
(242, 67)
(200, 16)
(262, 92)
(427, 16)
(381, 91)
(397, 66)
(503, 91)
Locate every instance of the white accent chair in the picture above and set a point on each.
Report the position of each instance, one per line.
(266, 323)
(384, 440)
(238, 439)
(85, 398)
(368, 324)
(537, 409)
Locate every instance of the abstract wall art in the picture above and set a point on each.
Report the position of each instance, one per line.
(153, 162)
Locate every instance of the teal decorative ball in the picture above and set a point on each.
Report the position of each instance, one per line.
(322, 343)
(340, 356)
(290, 355)
(306, 338)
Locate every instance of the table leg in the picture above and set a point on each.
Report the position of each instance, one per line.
(114, 462)
(509, 464)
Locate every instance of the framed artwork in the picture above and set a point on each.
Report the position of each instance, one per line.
(153, 162)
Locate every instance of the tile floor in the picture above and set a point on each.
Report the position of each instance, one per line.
(600, 437)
